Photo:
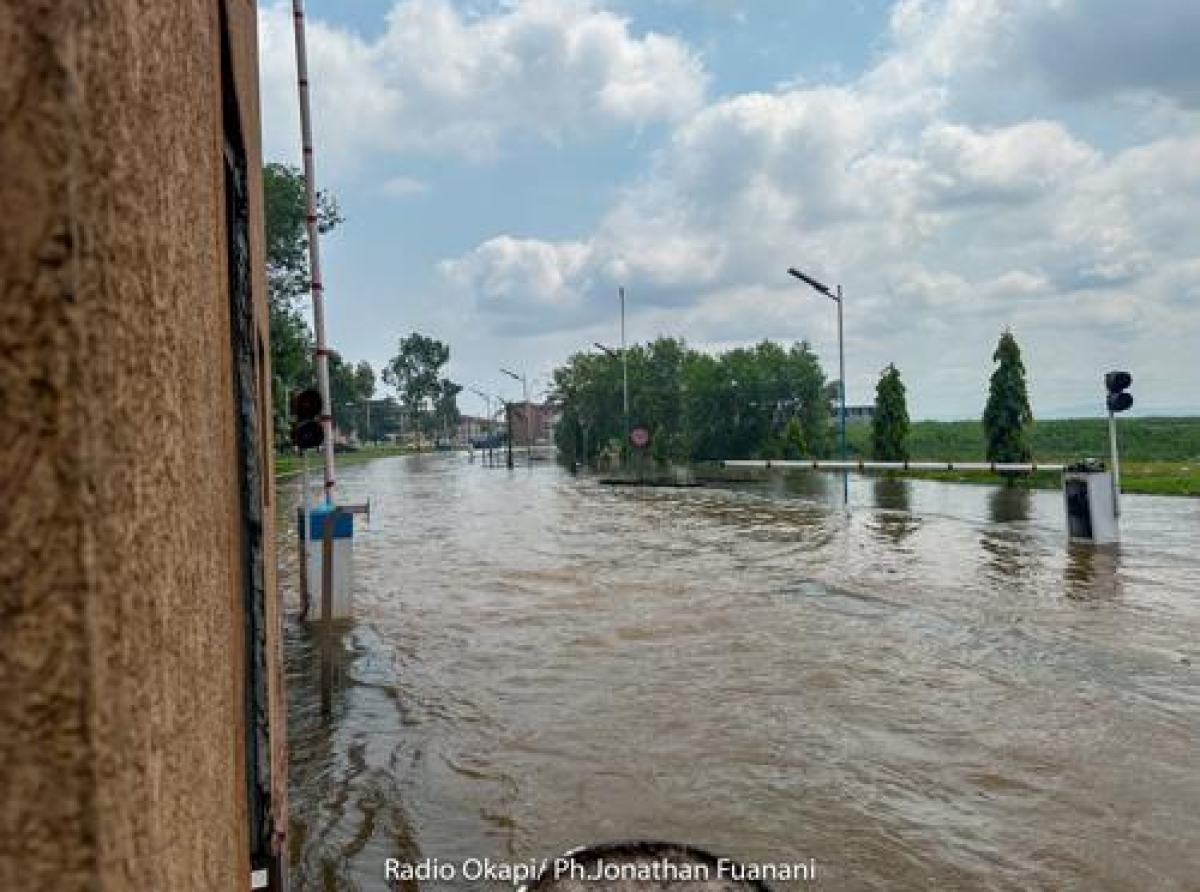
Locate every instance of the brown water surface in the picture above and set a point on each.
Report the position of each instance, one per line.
(928, 691)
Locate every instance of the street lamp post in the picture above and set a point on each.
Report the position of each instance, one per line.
(624, 374)
(528, 415)
(836, 297)
(487, 406)
(487, 415)
(624, 365)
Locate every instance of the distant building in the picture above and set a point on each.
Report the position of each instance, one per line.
(543, 417)
(474, 427)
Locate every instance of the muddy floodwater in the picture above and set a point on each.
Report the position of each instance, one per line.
(929, 690)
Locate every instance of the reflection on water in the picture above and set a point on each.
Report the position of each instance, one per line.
(894, 522)
(1093, 573)
(931, 690)
(893, 494)
(1009, 504)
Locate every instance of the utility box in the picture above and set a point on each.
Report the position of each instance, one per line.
(1090, 504)
(343, 562)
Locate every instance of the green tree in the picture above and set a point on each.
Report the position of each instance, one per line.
(660, 446)
(889, 426)
(792, 445)
(734, 405)
(383, 419)
(286, 251)
(415, 373)
(350, 387)
(445, 407)
(287, 230)
(1008, 416)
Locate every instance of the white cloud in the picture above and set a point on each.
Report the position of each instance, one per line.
(1012, 164)
(524, 281)
(944, 227)
(439, 80)
(405, 187)
(979, 50)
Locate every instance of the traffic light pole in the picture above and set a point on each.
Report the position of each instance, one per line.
(1116, 382)
(508, 431)
(1116, 462)
(321, 353)
(304, 537)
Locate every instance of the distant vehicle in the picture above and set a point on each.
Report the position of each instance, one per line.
(495, 441)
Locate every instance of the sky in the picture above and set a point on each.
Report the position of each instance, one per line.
(958, 167)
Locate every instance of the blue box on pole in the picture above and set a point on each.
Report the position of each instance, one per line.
(343, 527)
(343, 562)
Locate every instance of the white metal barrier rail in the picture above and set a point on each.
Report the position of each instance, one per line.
(813, 465)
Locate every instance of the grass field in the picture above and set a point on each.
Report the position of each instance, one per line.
(1141, 439)
(1159, 456)
(286, 465)
(1162, 478)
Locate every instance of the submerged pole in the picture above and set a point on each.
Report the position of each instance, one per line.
(1116, 462)
(330, 521)
(624, 372)
(842, 397)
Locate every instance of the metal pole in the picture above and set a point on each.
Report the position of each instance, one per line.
(321, 354)
(327, 613)
(528, 423)
(624, 372)
(842, 394)
(508, 429)
(1116, 462)
(302, 523)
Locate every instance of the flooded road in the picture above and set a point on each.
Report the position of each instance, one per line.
(929, 691)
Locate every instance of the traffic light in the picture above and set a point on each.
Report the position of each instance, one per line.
(307, 431)
(1117, 383)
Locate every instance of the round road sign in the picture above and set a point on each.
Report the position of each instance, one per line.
(639, 437)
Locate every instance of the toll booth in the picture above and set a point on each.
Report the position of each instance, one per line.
(1090, 500)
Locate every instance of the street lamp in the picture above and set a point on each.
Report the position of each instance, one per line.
(624, 383)
(528, 415)
(624, 365)
(836, 298)
(487, 406)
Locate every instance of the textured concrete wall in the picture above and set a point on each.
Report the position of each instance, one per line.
(121, 622)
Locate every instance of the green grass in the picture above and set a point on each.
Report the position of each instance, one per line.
(1141, 439)
(1162, 478)
(287, 465)
(1159, 456)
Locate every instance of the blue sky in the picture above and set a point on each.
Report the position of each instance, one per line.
(959, 166)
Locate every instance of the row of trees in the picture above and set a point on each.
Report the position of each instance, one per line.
(760, 402)
(427, 400)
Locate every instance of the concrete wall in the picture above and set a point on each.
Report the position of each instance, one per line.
(122, 642)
